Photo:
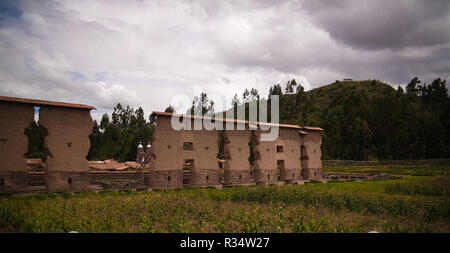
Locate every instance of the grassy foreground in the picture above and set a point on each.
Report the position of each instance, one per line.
(412, 204)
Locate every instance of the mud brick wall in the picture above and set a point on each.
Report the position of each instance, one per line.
(166, 166)
(97, 178)
(291, 142)
(206, 168)
(312, 173)
(312, 167)
(237, 152)
(36, 179)
(68, 143)
(265, 169)
(14, 118)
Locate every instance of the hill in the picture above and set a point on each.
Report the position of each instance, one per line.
(371, 120)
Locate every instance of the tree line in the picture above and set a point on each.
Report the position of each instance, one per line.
(362, 120)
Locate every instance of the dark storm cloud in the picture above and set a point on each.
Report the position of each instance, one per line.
(383, 24)
(145, 52)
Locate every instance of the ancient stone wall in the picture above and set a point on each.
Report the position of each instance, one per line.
(311, 156)
(206, 169)
(237, 152)
(14, 118)
(265, 152)
(68, 144)
(166, 166)
(172, 148)
(289, 140)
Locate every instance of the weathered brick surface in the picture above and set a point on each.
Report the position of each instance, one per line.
(67, 180)
(312, 173)
(13, 181)
(312, 166)
(166, 147)
(160, 178)
(290, 174)
(237, 177)
(14, 118)
(68, 143)
(200, 177)
(312, 141)
(265, 176)
(237, 152)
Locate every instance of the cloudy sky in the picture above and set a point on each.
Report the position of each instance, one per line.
(142, 53)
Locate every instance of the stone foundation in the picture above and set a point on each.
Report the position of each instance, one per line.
(13, 181)
(312, 173)
(165, 178)
(265, 176)
(62, 180)
(204, 177)
(236, 176)
(290, 174)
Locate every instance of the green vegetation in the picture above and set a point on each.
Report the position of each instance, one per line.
(411, 204)
(432, 187)
(119, 137)
(36, 141)
(422, 170)
(366, 120)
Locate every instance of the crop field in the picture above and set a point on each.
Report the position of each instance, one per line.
(409, 204)
(425, 170)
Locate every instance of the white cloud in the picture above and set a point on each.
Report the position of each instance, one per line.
(142, 53)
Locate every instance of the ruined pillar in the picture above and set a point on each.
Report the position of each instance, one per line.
(166, 167)
(14, 118)
(311, 153)
(68, 144)
(237, 152)
(288, 151)
(206, 169)
(265, 169)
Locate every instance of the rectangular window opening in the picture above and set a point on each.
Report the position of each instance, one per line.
(280, 149)
(188, 146)
(188, 164)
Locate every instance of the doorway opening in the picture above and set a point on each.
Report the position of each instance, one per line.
(188, 166)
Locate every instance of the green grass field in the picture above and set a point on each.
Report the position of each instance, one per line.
(393, 169)
(410, 204)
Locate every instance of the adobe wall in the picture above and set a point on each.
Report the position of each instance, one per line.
(166, 165)
(14, 118)
(68, 144)
(291, 142)
(206, 169)
(169, 156)
(265, 166)
(312, 166)
(237, 152)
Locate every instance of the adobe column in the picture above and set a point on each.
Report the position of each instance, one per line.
(288, 150)
(166, 169)
(14, 118)
(237, 152)
(265, 159)
(206, 168)
(68, 143)
(311, 161)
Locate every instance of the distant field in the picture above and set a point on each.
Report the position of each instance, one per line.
(392, 169)
(410, 204)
